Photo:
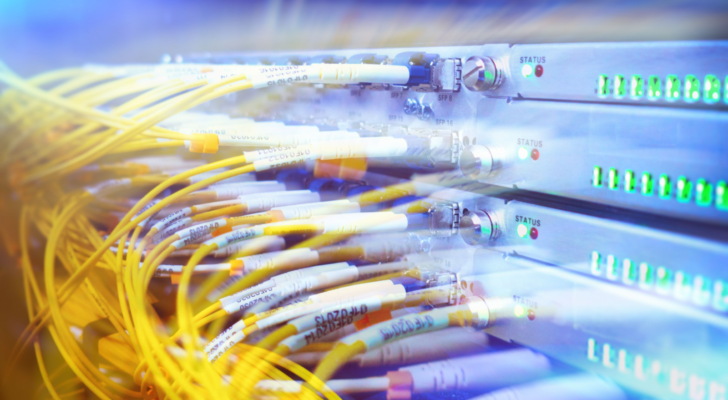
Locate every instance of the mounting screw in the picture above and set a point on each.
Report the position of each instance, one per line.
(411, 106)
(426, 113)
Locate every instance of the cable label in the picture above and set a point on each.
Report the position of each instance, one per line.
(406, 326)
(284, 159)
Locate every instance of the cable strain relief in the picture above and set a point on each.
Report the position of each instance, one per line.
(400, 385)
(212, 143)
(222, 231)
(236, 267)
(204, 143)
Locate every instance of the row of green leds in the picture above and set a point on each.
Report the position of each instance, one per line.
(674, 89)
(683, 187)
(663, 280)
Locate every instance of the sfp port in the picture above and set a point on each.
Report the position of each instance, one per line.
(446, 74)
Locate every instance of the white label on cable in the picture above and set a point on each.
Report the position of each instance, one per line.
(276, 76)
(171, 218)
(295, 155)
(332, 318)
(236, 236)
(225, 346)
(409, 325)
(107, 185)
(232, 305)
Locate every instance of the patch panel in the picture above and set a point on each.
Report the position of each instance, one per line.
(546, 71)
(613, 331)
(635, 157)
(594, 213)
(671, 265)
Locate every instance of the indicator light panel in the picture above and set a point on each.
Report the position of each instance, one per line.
(596, 263)
(613, 179)
(629, 181)
(692, 88)
(629, 272)
(597, 177)
(539, 70)
(683, 189)
(721, 195)
(683, 286)
(654, 87)
(711, 89)
(603, 85)
(664, 281)
(690, 91)
(637, 87)
(647, 184)
(665, 187)
(701, 290)
(647, 275)
(720, 296)
(620, 86)
(522, 230)
(527, 70)
(519, 311)
(703, 192)
(672, 87)
(612, 268)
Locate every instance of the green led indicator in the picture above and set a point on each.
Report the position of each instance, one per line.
(665, 186)
(711, 89)
(683, 285)
(629, 272)
(620, 86)
(647, 184)
(527, 70)
(692, 88)
(637, 87)
(647, 275)
(613, 179)
(701, 290)
(654, 87)
(519, 311)
(703, 192)
(603, 85)
(672, 87)
(522, 153)
(684, 188)
(721, 195)
(522, 230)
(720, 296)
(612, 268)
(596, 263)
(629, 181)
(597, 179)
(663, 280)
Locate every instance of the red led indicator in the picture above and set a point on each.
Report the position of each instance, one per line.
(534, 233)
(539, 71)
(535, 154)
(531, 315)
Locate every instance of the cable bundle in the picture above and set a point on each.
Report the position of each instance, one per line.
(109, 174)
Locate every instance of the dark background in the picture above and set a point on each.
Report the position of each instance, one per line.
(36, 36)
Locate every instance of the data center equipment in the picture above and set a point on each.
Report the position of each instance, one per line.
(497, 221)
